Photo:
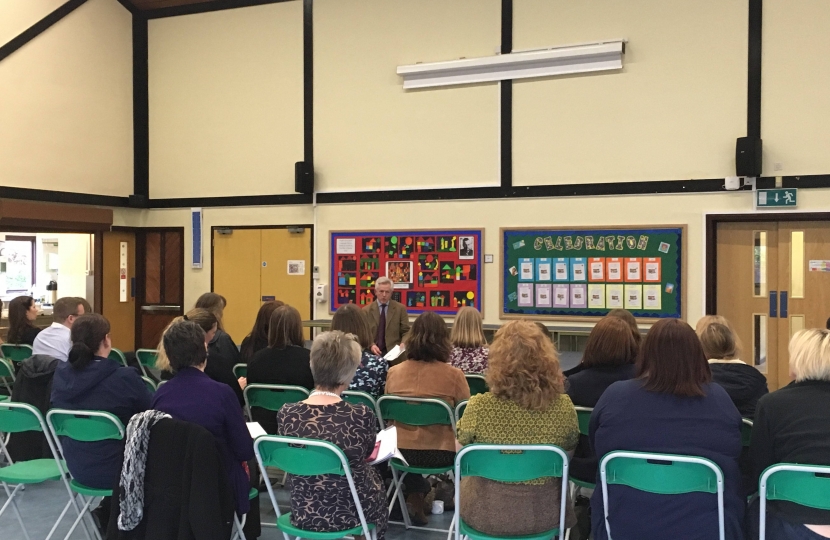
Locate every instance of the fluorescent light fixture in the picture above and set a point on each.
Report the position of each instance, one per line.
(585, 58)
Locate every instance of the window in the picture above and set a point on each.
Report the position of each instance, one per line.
(19, 252)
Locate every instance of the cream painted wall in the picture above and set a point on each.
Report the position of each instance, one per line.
(371, 134)
(197, 280)
(685, 209)
(18, 15)
(66, 105)
(226, 102)
(795, 103)
(673, 112)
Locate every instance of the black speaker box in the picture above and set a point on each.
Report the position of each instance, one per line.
(303, 178)
(748, 156)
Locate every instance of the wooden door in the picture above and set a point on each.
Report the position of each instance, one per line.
(121, 315)
(279, 246)
(161, 294)
(236, 276)
(747, 292)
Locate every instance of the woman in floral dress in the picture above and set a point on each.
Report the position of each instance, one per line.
(371, 373)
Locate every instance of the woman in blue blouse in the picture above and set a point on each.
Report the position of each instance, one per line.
(672, 407)
(371, 373)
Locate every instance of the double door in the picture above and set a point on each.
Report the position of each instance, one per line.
(773, 279)
(251, 266)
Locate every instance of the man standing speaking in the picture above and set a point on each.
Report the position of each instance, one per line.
(388, 320)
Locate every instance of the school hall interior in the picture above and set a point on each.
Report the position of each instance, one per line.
(152, 151)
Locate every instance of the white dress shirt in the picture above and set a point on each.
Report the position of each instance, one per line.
(55, 341)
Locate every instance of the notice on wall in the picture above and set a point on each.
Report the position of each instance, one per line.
(296, 268)
(122, 273)
(819, 266)
(345, 246)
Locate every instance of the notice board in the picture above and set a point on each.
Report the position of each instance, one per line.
(432, 270)
(580, 274)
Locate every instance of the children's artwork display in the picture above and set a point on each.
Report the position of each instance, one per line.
(436, 271)
(578, 273)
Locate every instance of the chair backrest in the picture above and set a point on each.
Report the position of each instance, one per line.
(513, 463)
(807, 485)
(664, 474)
(477, 383)
(460, 408)
(159, 384)
(583, 418)
(416, 411)
(150, 384)
(273, 396)
(304, 457)
(16, 353)
(746, 431)
(356, 397)
(147, 357)
(240, 370)
(84, 426)
(118, 356)
(6, 369)
(18, 417)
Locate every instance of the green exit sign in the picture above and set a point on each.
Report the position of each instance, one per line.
(776, 198)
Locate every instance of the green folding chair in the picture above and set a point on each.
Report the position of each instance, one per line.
(664, 474)
(147, 360)
(16, 353)
(746, 431)
(807, 485)
(583, 418)
(240, 370)
(272, 396)
(356, 397)
(477, 383)
(6, 373)
(19, 418)
(83, 426)
(118, 356)
(460, 408)
(150, 384)
(308, 457)
(239, 524)
(510, 463)
(414, 412)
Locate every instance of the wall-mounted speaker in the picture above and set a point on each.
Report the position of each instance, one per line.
(303, 178)
(748, 156)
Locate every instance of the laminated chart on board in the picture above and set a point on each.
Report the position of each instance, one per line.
(574, 273)
(436, 270)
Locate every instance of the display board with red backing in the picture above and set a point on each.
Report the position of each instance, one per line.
(436, 271)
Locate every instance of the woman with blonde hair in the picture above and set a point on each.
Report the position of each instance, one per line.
(218, 368)
(526, 404)
(469, 347)
(221, 343)
(791, 426)
(744, 384)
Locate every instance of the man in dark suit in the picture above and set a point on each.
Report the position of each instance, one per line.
(386, 313)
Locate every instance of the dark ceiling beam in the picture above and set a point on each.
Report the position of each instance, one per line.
(205, 7)
(38, 28)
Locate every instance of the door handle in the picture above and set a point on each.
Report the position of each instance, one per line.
(773, 304)
(784, 307)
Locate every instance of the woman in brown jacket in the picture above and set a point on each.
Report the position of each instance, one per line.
(426, 374)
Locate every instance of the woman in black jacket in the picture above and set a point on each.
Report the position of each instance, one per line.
(22, 311)
(258, 338)
(221, 344)
(744, 384)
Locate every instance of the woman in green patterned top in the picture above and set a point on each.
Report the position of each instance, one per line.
(526, 404)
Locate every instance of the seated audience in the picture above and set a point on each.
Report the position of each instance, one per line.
(91, 381)
(222, 344)
(629, 319)
(22, 313)
(194, 397)
(284, 361)
(56, 340)
(258, 338)
(791, 426)
(426, 374)
(217, 368)
(671, 407)
(371, 373)
(324, 415)
(744, 384)
(545, 330)
(525, 405)
(609, 357)
(469, 348)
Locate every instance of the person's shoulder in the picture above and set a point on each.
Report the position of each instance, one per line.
(367, 307)
(623, 388)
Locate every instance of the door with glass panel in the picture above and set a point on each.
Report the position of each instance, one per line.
(747, 292)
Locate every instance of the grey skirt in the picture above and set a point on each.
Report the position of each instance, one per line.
(501, 509)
